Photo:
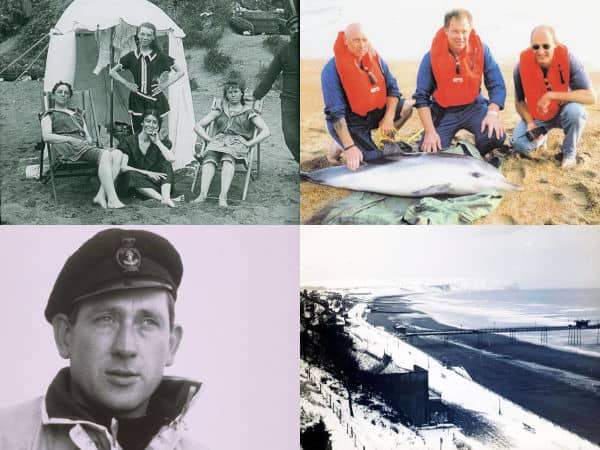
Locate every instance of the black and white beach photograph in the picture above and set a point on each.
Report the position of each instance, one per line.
(149, 111)
(95, 358)
(450, 338)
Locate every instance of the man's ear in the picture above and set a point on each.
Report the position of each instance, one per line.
(62, 334)
(174, 341)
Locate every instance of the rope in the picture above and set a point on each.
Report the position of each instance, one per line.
(413, 137)
(34, 60)
(23, 54)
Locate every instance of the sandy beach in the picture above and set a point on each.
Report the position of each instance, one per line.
(549, 196)
(558, 385)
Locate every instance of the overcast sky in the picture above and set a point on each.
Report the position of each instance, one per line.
(533, 257)
(403, 30)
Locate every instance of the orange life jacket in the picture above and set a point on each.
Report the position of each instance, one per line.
(534, 84)
(459, 78)
(363, 95)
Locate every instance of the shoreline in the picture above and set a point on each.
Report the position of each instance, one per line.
(513, 370)
(557, 340)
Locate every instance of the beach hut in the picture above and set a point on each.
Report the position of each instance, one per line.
(82, 42)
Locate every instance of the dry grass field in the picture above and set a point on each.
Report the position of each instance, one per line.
(549, 196)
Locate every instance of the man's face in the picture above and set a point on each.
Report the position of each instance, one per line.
(294, 30)
(357, 42)
(118, 347)
(458, 32)
(543, 46)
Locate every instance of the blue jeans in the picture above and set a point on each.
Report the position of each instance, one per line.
(449, 121)
(571, 119)
(360, 129)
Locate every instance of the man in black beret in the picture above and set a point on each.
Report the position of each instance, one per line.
(287, 61)
(112, 313)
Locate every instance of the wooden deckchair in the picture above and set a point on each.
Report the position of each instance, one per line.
(60, 169)
(249, 166)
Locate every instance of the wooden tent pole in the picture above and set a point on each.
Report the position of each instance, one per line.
(293, 8)
(112, 86)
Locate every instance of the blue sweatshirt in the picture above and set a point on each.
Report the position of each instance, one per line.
(334, 97)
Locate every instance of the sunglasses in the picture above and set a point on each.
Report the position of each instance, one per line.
(544, 46)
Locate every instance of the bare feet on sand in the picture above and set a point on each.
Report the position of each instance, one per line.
(223, 202)
(168, 202)
(568, 163)
(200, 199)
(100, 200)
(115, 205)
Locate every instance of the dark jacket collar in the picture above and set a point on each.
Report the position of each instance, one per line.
(171, 399)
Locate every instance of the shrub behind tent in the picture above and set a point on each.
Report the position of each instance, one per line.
(75, 47)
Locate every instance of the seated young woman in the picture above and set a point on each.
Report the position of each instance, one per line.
(66, 130)
(235, 122)
(146, 163)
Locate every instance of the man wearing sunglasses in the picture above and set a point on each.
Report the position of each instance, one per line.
(551, 88)
(360, 94)
(448, 96)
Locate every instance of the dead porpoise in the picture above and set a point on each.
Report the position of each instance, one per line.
(416, 175)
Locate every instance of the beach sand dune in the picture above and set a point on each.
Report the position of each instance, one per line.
(549, 196)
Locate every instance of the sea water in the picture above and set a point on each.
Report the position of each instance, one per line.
(518, 308)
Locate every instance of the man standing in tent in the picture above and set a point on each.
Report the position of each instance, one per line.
(147, 64)
(551, 88)
(448, 95)
(287, 61)
(360, 94)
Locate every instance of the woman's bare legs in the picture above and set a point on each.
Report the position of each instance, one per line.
(208, 172)
(165, 191)
(116, 156)
(149, 192)
(107, 196)
(227, 172)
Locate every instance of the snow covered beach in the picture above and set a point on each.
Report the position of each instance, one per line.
(561, 386)
(504, 393)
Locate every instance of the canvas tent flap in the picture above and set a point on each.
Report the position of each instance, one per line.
(73, 56)
(181, 117)
(92, 15)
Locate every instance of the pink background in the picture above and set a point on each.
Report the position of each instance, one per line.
(238, 305)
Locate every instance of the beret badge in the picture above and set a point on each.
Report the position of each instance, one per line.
(128, 257)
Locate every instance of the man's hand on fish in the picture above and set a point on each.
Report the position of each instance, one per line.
(353, 158)
(431, 142)
(493, 124)
(386, 126)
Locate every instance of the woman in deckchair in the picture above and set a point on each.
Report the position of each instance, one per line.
(66, 130)
(232, 138)
(146, 163)
(148, 64)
